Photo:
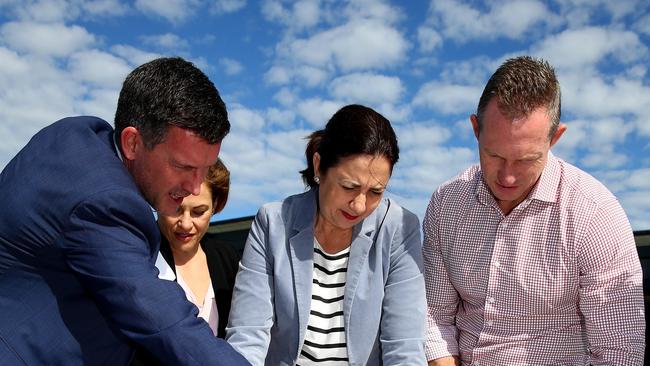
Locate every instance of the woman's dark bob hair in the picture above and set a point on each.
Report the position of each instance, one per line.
(353, 130)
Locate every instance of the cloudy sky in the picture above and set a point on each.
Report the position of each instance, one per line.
(284, 67)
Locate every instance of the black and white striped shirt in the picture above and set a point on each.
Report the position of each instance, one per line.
(324, 343)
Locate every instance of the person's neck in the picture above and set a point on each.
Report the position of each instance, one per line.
(182, 256)
(332, 239)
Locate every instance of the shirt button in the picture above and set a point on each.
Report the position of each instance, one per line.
(490, 323)
(497, 264)
(491, 300)
(477, 363)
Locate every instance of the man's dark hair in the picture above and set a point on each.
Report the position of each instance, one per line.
(521, 85)
(353, 130)
(167, 92)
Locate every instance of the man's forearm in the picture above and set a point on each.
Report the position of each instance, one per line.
(445, 361)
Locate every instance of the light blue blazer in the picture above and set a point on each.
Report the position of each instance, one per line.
(384, 305)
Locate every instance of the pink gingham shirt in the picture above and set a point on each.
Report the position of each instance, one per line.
(555, 282)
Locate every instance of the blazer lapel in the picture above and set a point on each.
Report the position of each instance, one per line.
(357, 266)
(301, 245)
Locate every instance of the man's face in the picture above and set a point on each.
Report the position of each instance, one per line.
(172, 170)
(513, 152)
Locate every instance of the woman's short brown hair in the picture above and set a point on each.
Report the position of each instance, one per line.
(218, 181)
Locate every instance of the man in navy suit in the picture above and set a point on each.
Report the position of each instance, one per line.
(78, 240)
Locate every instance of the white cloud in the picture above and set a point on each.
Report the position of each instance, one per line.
(509, 19)
(310, 76)
(175, 11)
(637, 207)
(285, 97)
(282, 118)
(379, 10)
(577, 48)
(367, 88)
(604, 157)
(34, 94)
(230, 66)
(104, 7)
(448, 98)
(99, 102)
(580, 12)
(362, 44)
(46, 39)
(586, 93)
(594, 143)
(272, 161)
(43, 10)
(278, 75)
(395, 113)
(245, 120)
(227, 6)
(317, 111)
(273, 10)
(469, 71)
(166, 41)
(62, 10)
(306, 13)
(642, 25)
(101, 69)
(421, 171)
(423, 135)
(632, 189)
(297, 16)
(429, 39)
(134, 55)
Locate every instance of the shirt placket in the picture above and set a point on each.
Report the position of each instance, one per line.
(493, 298)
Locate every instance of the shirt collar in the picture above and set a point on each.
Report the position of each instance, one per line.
(546, 188)
(117, 148)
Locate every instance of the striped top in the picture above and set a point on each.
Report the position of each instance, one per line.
(324, 343)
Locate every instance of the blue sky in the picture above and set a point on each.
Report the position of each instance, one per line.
(284, 67)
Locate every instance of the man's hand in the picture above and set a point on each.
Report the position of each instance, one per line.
(445, 361)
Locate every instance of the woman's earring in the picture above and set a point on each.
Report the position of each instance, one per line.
(316, 179)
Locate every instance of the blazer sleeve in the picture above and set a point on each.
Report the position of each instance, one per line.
(252, 312)
(107, 246)
(403, 319)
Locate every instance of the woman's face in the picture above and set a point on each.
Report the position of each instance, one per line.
(352, 189)
(185, 228)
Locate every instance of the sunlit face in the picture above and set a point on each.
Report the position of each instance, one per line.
(185, 229)
(351, 190)
(172, 170)
(513, 153)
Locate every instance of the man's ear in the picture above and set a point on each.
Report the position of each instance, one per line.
(558, 133)
(474, 119)
(131, 141)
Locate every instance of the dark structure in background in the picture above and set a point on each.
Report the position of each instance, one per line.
(642, 239)
(235, 231)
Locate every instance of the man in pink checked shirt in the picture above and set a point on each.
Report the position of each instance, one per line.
(529, 260)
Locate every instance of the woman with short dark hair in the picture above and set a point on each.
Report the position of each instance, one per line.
(333, 276)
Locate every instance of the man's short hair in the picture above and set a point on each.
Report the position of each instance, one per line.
(523, 84)
(167, 92)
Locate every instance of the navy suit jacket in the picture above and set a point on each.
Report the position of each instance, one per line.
(78, 244)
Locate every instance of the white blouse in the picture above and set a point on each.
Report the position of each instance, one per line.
(207, 310)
